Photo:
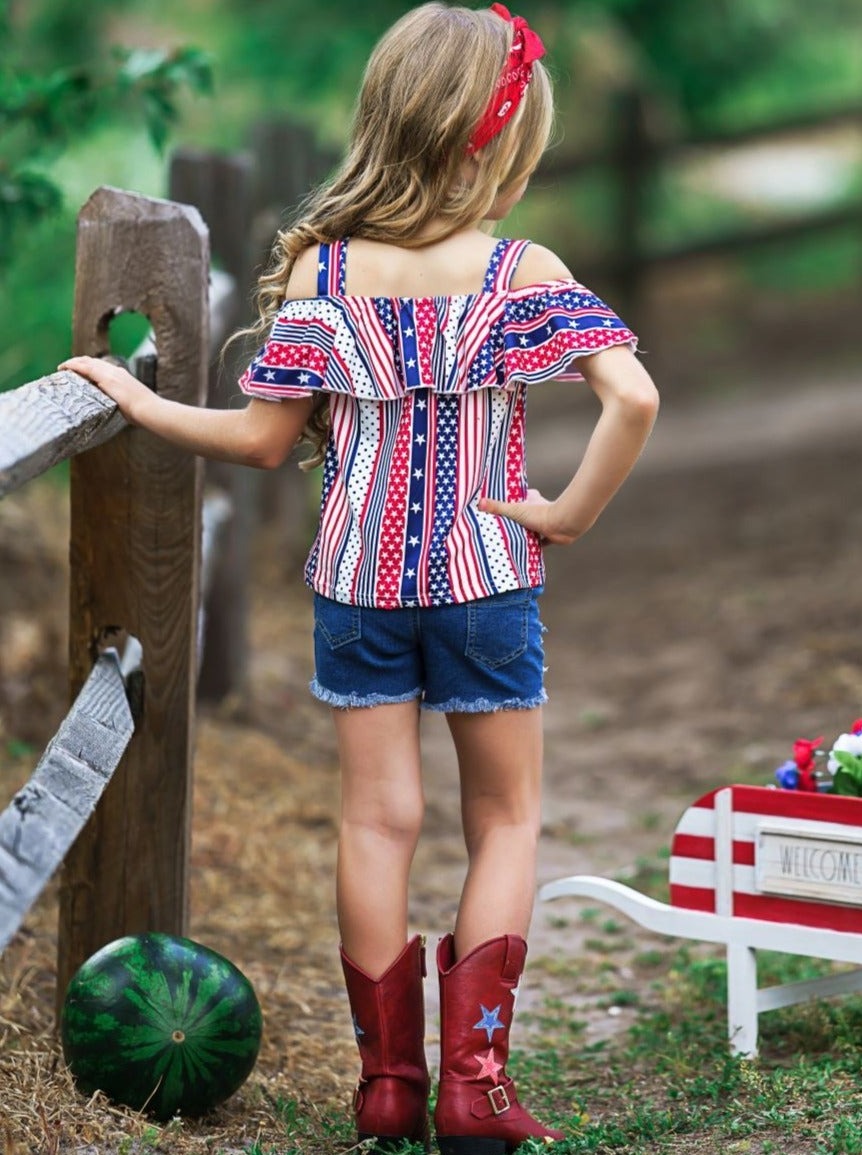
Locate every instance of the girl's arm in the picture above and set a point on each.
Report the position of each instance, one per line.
(261, 434)
(629, 403)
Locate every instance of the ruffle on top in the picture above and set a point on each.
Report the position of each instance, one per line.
(379, 348)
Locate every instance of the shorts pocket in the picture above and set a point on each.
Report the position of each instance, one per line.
(337, 623)
(497, 628)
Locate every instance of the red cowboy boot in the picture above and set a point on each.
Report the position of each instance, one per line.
(391, 1098)
(477, 1111)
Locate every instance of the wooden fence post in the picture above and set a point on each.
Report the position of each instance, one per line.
(289, 162)
(221, 188)
(633, 160)
(135, 554)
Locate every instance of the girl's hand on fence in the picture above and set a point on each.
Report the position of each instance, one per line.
(260, 434)
(113, 379)
(535, 513)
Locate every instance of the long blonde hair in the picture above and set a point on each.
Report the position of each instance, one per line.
(426, 86)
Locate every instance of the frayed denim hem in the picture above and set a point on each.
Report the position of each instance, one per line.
(359, 701)
(485, 705)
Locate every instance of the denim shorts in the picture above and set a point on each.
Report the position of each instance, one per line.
(475, 657)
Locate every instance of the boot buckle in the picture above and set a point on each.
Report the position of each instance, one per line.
(501, 1103)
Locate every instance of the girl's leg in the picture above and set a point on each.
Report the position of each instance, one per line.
(500, 765)
(382, 806)
(480, 967)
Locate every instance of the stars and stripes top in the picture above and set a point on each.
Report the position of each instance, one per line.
(427, 399)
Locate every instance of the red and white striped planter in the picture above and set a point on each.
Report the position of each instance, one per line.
(757, 868)
(814, 873)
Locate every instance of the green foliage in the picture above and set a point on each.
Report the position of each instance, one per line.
(704, 59)
(700, 55)
(848, 777)
(47, 34)
(152, 79)
(36, 294)
(45, 112)
(322, 65)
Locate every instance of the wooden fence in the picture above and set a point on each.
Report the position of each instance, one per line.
(636, 159)
(243, 199)
(134, 585)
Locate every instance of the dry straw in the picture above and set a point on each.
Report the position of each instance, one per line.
(263, 852)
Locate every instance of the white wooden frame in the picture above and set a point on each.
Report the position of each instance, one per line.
(742, 938)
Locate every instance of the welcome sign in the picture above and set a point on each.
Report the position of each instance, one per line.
(809, 860)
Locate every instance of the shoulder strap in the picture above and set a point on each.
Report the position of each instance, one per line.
(502, 266)
(332, 268)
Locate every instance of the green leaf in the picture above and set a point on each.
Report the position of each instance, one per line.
(844, 782)
(851, 762)
(42, 115)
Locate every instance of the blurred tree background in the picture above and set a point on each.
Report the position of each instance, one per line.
(99, 93)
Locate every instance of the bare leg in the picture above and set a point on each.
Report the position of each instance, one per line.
(381, 815)
(500, 764)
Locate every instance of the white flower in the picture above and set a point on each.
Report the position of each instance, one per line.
(848, 744)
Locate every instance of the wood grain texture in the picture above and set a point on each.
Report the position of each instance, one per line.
(134, 554)
(45, 816)
(49, 420)
(222, 188)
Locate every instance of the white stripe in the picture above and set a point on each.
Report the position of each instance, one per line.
(479, 320)
(701, 873)
(700, 822)
(375, 344)
(724, 852)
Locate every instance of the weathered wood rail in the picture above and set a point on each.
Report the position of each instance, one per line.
(44, 818)
(111, 796)
(48, 421)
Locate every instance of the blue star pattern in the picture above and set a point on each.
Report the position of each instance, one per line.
(447, 413)
(490, 1021)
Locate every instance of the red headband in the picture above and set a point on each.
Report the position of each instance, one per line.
(527, 47)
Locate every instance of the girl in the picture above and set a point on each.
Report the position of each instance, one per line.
(400, 339)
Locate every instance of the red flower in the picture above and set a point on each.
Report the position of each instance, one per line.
(803, 753)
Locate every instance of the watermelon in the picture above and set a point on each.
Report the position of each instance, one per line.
(161, 1024)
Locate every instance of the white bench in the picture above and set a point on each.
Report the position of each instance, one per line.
(756, 868)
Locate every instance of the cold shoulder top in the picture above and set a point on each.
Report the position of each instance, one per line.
(427, 399)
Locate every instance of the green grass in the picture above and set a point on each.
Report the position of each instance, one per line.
(667, 1085)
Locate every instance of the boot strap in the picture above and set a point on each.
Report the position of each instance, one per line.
(358, 1096)
(496, 1101)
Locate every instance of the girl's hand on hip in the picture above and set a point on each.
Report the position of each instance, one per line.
(535, 513)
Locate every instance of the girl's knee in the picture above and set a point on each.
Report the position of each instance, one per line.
(521, 830)
(396, 820)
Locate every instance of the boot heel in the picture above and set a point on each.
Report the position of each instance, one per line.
(470, 1145)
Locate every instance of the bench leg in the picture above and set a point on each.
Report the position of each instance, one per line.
(742, 1000)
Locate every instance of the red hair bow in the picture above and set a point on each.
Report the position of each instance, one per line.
(527, 47)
